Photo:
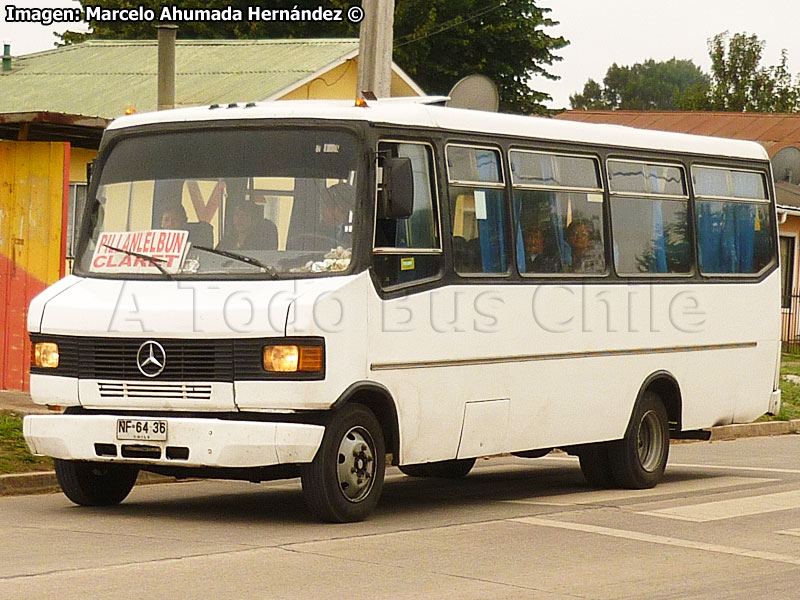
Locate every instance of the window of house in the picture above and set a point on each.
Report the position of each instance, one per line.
(787, 270)
(77, 202)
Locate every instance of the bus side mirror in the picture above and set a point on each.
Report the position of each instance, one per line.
(397, 197)
(89, 169)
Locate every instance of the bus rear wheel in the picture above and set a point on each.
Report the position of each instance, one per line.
(446, 469)
(639, 459)
(344, 481)
(95, 484)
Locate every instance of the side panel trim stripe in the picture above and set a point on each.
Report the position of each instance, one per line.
(559, 356)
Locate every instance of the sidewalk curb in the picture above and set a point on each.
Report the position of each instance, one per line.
(763, 428)
(44, 482)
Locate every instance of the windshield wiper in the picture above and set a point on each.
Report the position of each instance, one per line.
(153, 260)
(243, 258)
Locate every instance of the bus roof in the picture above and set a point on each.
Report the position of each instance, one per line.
(415, 113)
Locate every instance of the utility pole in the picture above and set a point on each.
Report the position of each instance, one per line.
(166, 66)
(375, 48)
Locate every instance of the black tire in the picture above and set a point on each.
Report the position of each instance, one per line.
(95, 484)
(596, 465)
(344, 481)
(639, 459)
(446, 469)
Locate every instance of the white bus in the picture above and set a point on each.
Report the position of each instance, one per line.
(286, 289)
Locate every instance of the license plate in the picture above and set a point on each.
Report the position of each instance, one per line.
(142, 429)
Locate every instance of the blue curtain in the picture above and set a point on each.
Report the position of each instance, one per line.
(558, 222)
(658, 184)
(557, 216)
(745, 221)
(492, 233)
(519, 244)
(490, 229)
(707, 228)
(726, 234)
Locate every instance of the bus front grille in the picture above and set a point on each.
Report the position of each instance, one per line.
(170, 391)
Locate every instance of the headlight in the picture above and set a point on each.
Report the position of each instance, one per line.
(292, 358)
(45, 355)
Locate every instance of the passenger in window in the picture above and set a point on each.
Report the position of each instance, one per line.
(174, 217)
(335, 215)
(200, 234)
(541, 252)
(249, 230)
(587, 253)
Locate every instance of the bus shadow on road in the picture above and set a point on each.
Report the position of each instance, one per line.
(506, 487)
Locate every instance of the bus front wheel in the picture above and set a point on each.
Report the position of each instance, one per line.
(344, 481)
(95, 484)
(639, 459)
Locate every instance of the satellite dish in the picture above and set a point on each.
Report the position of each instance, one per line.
(477, 92)
(786, 165)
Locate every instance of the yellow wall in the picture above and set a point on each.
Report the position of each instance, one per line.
(31, 208)
(340, 84)
(77, 164)
(31, 211)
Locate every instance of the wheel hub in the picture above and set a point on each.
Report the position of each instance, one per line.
(650, 443)
(356, 464)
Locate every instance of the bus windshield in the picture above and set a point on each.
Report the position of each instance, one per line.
(224, 202)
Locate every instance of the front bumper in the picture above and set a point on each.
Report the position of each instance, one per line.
(210, 442)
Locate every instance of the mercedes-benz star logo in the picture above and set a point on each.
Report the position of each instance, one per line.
(151, 359)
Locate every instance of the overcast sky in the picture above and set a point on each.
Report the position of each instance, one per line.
(631, 31)
(600, 33)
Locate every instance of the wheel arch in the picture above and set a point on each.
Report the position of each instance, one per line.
(379, 400)
(665, 385)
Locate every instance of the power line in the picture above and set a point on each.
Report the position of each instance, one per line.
(411, 38)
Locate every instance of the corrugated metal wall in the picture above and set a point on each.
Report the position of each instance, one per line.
(33, 197)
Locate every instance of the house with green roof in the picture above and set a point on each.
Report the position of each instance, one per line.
(106, 79)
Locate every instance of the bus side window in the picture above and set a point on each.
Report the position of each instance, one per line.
(734, 221)
(410, 250)
(477, 209)
(649, 218)
(558, 209)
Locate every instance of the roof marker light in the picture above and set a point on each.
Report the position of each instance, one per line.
(362, 103)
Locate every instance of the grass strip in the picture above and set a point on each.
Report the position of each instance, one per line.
(14, 454)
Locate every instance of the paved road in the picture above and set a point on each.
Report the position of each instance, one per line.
(724, 524)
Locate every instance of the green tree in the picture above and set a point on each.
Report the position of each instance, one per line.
(592, 97)
(436, 41)
(739, 82)
(650, 85)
